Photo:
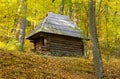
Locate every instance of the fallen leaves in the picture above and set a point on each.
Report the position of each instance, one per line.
(31, 66)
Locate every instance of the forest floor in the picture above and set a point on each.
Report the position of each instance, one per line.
(16, 65)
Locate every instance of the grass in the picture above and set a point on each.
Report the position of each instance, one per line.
(15, 65)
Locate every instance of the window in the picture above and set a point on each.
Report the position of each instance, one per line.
(43, 43)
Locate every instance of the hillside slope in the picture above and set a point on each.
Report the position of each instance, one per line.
(14, 65)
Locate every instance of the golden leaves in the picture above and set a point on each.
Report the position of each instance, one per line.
(31, 66)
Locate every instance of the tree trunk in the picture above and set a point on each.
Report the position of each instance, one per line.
(99, 22)
(75, 14)
(17, 24)
(70, 8)
(23, 26)
(96, 51)
(61, 7)
(107, 40)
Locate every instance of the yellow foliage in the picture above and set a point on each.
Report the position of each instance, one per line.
(2, 45)
(5, 46)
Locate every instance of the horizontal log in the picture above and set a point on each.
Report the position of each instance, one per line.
(66, 45)
(65, 41)
(68, 49)
(64, 49)
(59, 51)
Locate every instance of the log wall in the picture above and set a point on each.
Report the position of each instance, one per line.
(66, 45)
(61, 45)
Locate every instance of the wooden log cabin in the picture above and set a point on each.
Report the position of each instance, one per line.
(57, 35)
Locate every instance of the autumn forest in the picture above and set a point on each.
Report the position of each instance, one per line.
(97, 20)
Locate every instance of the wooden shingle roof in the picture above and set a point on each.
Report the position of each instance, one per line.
(57, 24)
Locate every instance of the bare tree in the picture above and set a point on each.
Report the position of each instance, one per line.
(75, 13)
(70, 8)
(99, 15)
(96, 51)
(61, 7)
(23, 25)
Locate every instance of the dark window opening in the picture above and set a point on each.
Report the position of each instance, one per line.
(34, 46)
(43, 43)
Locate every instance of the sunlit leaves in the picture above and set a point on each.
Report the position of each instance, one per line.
(37, 10)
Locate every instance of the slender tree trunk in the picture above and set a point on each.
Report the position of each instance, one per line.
(96, 51)
(61, 7)
(70, 8)
(107, 41)
(75, 13)
(16, 28)
(99, 13)
(35, 19)
(23, 26)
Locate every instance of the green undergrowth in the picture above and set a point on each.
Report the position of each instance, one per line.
(17, 65)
